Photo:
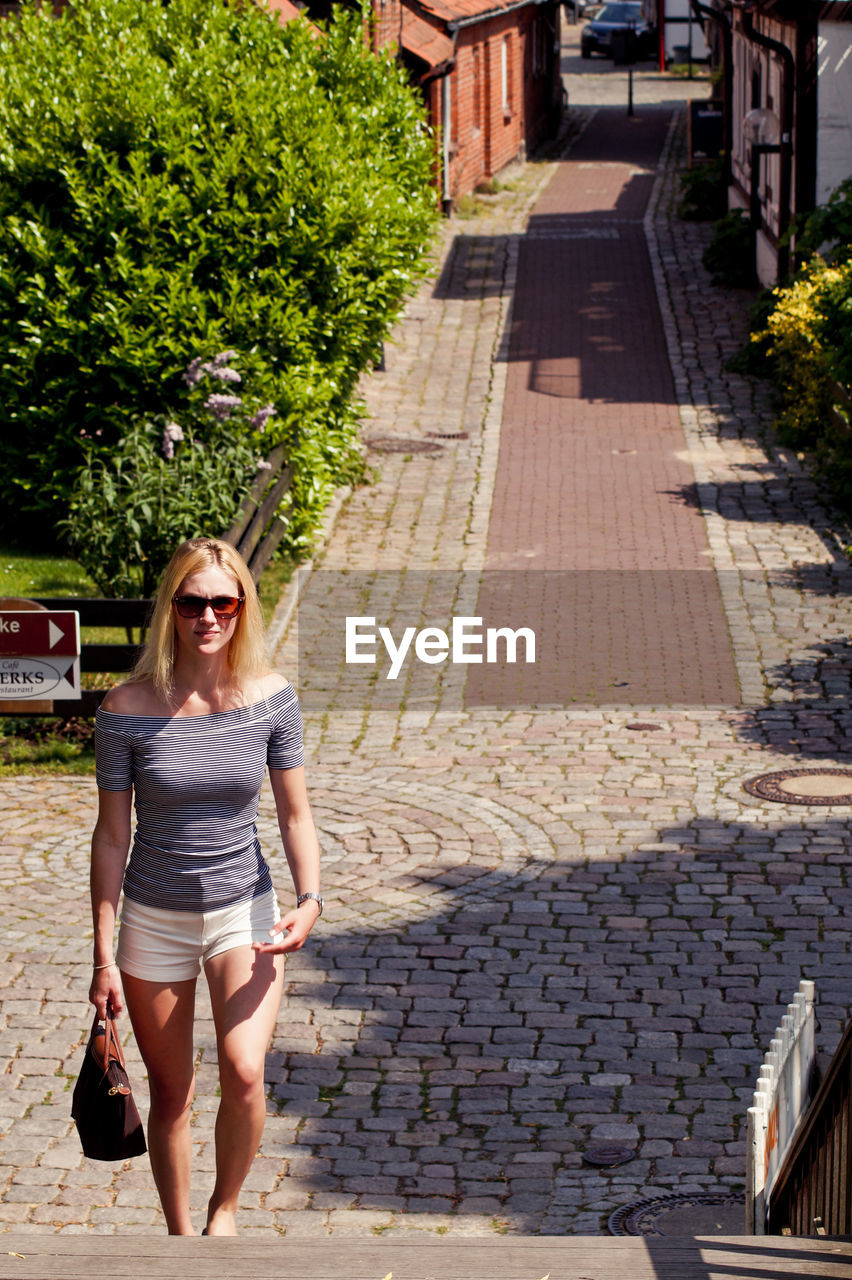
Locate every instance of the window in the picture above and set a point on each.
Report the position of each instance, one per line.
(506, 75)
(477, 90)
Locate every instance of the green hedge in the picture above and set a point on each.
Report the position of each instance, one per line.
(180, 179)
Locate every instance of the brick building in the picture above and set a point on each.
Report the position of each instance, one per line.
(490, 75)
(787, 68)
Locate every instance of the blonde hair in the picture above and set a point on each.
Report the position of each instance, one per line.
(247, 649)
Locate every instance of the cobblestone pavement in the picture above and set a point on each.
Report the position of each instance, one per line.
(547, 928)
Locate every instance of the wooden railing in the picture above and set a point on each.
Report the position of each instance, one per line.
(257, 530)
(781, 1099)
(812, 1194)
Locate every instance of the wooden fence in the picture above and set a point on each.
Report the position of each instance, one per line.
(780, 1102)
(257, 530)
(812, 1195)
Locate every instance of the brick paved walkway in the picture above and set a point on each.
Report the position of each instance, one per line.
(593, 482)
(546, 928)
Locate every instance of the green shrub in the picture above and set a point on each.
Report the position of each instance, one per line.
(808, 336)
(703, 192)
(827, 230)
(730, 255)
(189, 177)
(164, 482)
(753, 358)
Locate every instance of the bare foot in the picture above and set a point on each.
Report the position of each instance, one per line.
(221, 1223)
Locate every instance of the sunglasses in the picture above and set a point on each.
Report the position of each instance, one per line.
(194, 606)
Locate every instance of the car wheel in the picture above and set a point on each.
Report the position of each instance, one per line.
(585, 51)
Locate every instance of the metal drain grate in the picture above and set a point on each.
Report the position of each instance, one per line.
(608, 1155)
(392, 444)
(702, 1213)
(803, 786)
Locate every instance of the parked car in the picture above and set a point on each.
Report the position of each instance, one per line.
(618, 22)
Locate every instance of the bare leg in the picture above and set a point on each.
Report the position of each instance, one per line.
(162, 1017)
(245, 992)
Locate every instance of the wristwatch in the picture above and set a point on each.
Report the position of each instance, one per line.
(314, 897)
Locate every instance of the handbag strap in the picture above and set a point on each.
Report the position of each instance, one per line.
(113, 1050)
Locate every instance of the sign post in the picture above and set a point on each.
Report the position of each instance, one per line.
(39, 656)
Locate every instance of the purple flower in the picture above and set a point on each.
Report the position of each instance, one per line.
(260, 419)
(222, 373)
(171, 433)
(222, 406)
(263, 465)
(223, 358)
(194, 373)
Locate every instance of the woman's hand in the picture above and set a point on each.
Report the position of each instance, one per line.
(106, 989)
(291, 931)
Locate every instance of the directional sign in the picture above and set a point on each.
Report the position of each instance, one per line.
(53, 634)
(38, 678)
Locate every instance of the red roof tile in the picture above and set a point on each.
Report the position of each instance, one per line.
(463, 11)
(285, 10)
(425, 41)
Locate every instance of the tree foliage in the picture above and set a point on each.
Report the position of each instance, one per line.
(184, 178)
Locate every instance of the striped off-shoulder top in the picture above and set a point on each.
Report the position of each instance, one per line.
(196, 783)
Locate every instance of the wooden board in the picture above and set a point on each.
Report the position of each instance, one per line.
(156, 1257)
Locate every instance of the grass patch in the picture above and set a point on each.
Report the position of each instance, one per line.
(46, 745)
(470, 206)
(28, 574)
(680, 71)
(272, 584)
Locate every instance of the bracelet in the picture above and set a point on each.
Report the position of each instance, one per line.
(104, 966)
(310, 897)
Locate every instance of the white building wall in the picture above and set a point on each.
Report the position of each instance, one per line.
(834, 106)
(682, 26)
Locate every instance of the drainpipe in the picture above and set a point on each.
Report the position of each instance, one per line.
(661, 32)
(788, 72)
(704, 11)
(446, 123)
(441, 71)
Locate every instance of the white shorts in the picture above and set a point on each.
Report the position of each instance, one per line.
(171, 946)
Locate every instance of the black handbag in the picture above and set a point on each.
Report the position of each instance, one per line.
(102, 1106)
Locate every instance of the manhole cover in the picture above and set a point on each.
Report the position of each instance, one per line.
(392, 444)
(803, 786)
(704, 1213)
(640, 724)
(607, 1155)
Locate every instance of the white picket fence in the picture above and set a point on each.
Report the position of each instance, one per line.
(780, 1101)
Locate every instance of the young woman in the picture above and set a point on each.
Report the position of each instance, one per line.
(192, 733)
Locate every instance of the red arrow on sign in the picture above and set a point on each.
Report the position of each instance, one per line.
(40, 634)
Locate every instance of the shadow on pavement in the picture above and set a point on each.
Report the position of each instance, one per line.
(623, 999)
